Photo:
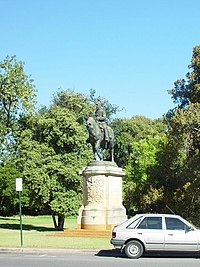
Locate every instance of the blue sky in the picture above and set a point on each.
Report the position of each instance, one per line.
(129, 51)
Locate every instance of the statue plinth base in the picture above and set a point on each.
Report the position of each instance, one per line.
(102, 196)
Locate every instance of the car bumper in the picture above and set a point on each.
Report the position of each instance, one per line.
(117, 243)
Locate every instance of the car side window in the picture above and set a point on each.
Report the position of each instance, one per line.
(175, 224)
(134, 223)
(151, 223)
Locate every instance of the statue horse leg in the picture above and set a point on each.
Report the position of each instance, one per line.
(112, 153)
(94, 151)
(98, 155)
(98, 149)
(111, 150)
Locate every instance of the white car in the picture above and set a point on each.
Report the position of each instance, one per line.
(155, 232)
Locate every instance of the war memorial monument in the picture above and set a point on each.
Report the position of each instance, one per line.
(102, 179)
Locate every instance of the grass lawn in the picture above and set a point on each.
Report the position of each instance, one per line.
(36, 230)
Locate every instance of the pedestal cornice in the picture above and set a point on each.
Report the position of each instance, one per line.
(106, 168)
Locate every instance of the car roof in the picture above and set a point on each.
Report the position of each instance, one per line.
(137, 216)
(156, 214)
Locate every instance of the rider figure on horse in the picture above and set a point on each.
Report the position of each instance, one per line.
(100, 115)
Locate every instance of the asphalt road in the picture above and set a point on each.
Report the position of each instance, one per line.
(93, 259)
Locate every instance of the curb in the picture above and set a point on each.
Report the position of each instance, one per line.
(48, 250)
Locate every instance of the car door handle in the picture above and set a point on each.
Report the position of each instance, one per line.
(170, 234)
(139, 233)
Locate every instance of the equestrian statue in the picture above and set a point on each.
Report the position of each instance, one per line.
(101, 136)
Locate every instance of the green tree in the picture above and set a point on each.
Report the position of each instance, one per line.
(52, 149)
(129, 132)
(17, 98)
(77, 103)
(138, 140)
(178, 169)
(188, 91)
(8, 195)
(143, 157)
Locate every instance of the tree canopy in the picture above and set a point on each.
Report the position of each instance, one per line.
(187, 90)
(17, 99)
(48, 147)
(178, 172)
(52, 149)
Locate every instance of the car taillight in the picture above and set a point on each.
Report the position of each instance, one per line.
(113, 234)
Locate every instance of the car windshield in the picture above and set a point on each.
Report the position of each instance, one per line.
(193, 225)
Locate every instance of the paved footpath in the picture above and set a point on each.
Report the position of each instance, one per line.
(47, 250)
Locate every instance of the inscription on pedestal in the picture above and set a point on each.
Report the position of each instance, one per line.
(94, 190)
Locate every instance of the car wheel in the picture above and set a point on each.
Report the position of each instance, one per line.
(134, 249)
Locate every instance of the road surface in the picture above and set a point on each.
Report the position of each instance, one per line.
(93, 259)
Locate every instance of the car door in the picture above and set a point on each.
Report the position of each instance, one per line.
(179, 236)
(151, 231)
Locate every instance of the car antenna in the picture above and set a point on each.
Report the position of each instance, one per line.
(170, 209)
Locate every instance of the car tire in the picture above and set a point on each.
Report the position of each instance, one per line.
(134, 249)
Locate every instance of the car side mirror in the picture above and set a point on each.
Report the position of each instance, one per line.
(189, 228)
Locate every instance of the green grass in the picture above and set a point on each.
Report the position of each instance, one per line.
(36, 230)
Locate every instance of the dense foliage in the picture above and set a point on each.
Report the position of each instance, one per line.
(8, 199)
(171, 180)
(180, 159)
(138, 142)
(17, 98)
(52, 149)
(47, 148)
(161, 157)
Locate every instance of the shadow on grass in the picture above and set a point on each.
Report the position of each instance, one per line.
(8, 219)
(27, 227)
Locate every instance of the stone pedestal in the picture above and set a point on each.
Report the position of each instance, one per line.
(102, 196)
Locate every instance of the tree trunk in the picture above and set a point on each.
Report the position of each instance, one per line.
(61, 221)
(59, 226)
(54, 221)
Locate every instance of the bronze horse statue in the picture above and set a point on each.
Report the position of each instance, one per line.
(97, 139)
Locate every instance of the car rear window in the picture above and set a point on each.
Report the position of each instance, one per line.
(133, 224)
